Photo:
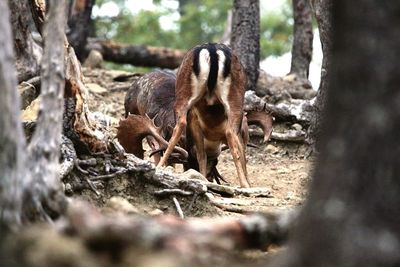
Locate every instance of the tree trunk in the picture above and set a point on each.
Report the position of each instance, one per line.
(44, 147)
(322, 12)
(138, 55)
(80, 25)
(245, 39)
(78, 123)
(26, 59)
(353, 208)
(302, 38)
(12, 141)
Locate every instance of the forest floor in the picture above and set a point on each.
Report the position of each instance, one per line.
(281, 167)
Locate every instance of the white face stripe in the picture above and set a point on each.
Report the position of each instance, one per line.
(223, 85)
(204, 64)
(199, 82)
(221, 64)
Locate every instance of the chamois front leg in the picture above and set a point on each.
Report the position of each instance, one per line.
(176, 135)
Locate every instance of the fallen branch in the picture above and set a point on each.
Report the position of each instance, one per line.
(138, 55)
(186, 237)
(296, 110)
(290, 135)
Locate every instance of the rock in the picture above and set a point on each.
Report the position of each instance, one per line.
(193, 174)
(297, 127)
(31, 112)
(156, 212)
(254, 192)
(271, 149)
(120, 204)
(96, 89)
(94, 60)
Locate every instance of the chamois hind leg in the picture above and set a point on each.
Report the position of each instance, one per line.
(198, 139)
(238, 156)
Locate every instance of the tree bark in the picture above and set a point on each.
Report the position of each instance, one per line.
(302, 38)
(78, 123)
(355, 191)
(80, 26)
(44, 148)
(138, 55)
(12, 141)
(27, 61)
(322, 12)
(245, 39)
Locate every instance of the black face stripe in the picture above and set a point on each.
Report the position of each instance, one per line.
(213, 75)
(227, 63)
(196, 63)
(212, 49)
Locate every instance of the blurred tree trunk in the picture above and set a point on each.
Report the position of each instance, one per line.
(12, 141)
(302, 38)
(352, 216)
(80, 26)
(245, 39)
(322, 12)
(30, 186)
(27, 63)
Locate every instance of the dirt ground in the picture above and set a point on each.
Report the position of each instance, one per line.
(279, 166)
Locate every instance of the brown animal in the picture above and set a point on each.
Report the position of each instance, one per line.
(149, 97)
(153, 96)
(210, 89)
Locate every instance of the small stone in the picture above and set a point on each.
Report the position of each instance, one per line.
(297, 127)
(94, 60)
(156, 212)
(68, 189)
(96, 89)
(169, 169)
(122, 205)
(193, 174)
(31, 112)
(271, 149)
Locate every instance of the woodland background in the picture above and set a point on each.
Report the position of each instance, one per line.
(61, 169)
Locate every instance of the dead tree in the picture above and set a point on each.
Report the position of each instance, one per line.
(214, 99)
(355, 192)
(245, 38)
(302, 38)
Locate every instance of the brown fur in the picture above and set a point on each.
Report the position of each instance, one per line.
(263, 120)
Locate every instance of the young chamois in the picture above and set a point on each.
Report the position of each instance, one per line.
(209, 94)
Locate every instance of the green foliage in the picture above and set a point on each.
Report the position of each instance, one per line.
(203, 21)
(200, 21)
(276, 30)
